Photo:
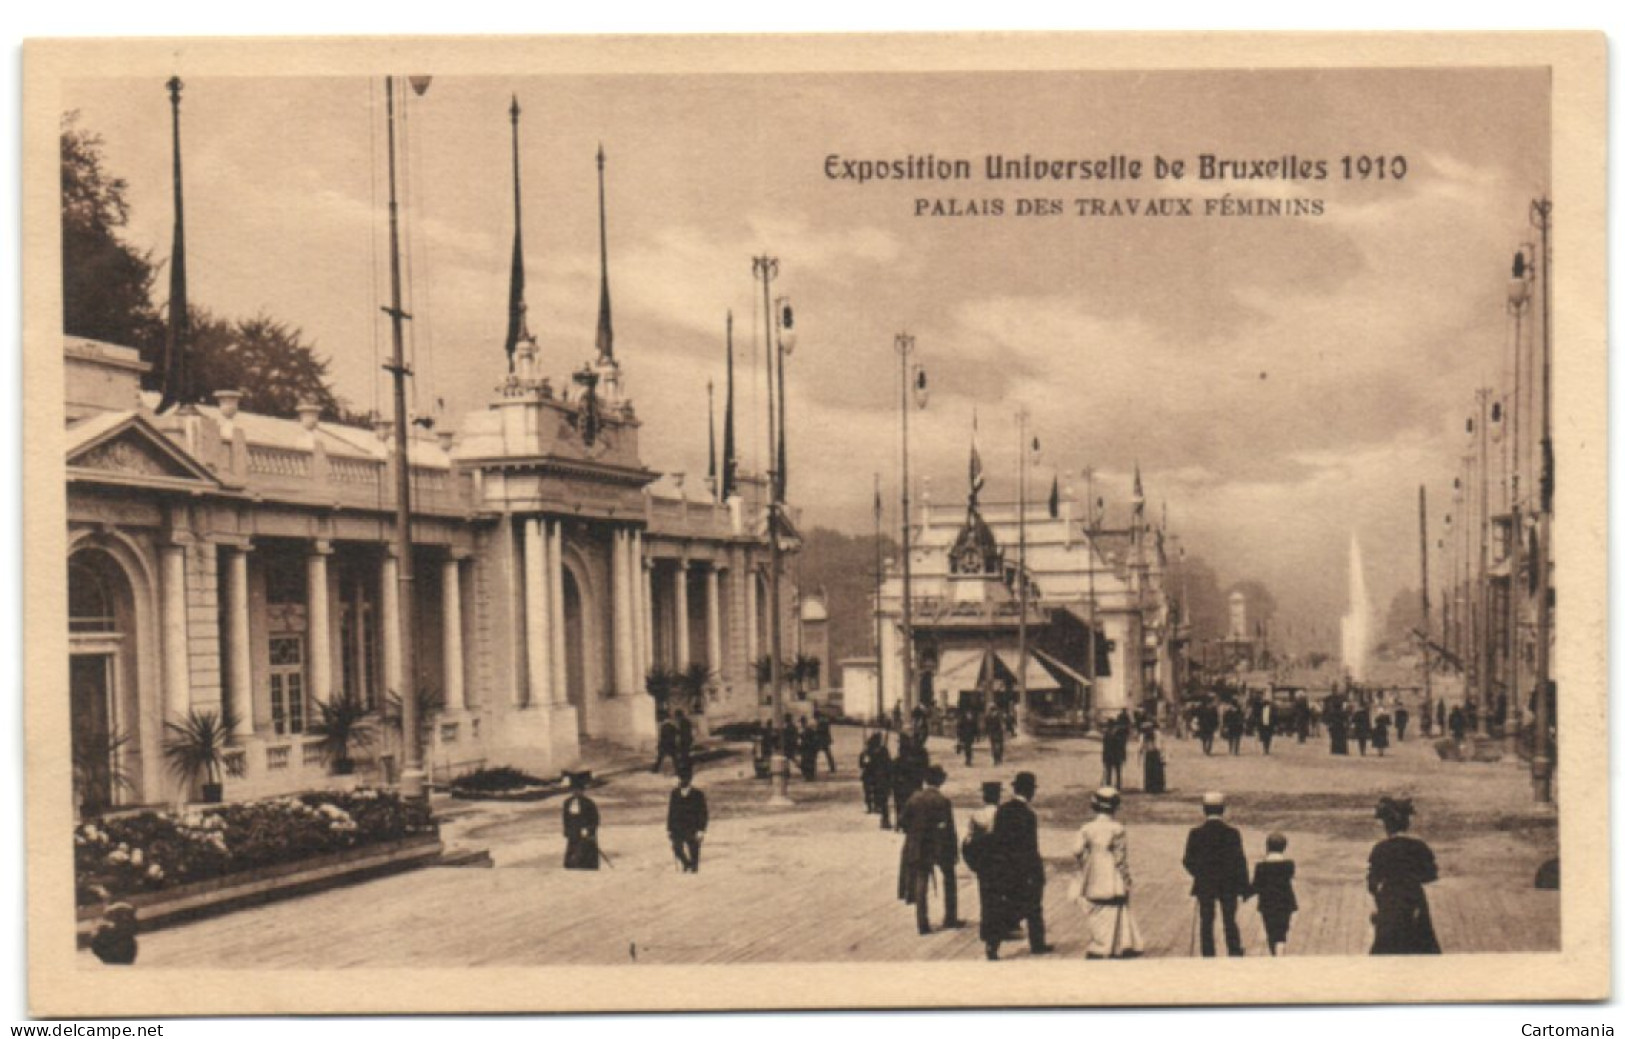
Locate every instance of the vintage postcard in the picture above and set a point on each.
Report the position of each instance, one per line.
(542, 524)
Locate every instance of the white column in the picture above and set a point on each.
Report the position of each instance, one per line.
(634, 609)
(680, 585)
(713, 621)
(240, 696)
(625, 680)
(389, 624)
(451, 613)
(321, 637)
(748, 575)
(646, 576)
(640, 607)
(555, 589)
(538, 635)
(177, 677)
(514, 574)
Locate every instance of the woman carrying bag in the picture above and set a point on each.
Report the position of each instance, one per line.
(1103, 884)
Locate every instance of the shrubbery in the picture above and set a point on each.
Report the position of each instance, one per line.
(501, 779)
(151, 851)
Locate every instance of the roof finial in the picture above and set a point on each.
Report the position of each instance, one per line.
(518, 328)
(606, 332)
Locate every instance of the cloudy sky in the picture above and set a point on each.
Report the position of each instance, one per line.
(1282, 382)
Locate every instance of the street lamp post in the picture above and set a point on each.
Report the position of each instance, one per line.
(1540, 214)
(903, 344)
(1523, 272)
(412, 775)
(766, 269)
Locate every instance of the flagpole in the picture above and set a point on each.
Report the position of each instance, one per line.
(177, 374)
(880, 672)
(1089, 662)
(904, 345)
(1024, 722)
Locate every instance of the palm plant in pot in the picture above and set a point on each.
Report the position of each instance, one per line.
(690, 684)
(342, 725)
(99, 773)
(196, 747)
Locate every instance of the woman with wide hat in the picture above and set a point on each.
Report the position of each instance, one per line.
(1104, 883)
(1400, 864)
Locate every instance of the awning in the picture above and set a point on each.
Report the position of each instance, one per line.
(1038, 678)
(1055, 665)
(959, 670)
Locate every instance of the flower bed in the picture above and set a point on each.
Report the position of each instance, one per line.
(157, 851)
(503, 784)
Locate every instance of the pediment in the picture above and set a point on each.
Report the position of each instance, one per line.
(130, 449)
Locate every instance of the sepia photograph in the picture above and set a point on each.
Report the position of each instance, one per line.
(590, 518)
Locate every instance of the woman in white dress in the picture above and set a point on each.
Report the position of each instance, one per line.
(1104, 884)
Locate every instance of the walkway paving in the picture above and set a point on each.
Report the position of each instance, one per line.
(816, 882)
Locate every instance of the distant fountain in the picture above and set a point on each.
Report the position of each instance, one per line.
(1357, 622)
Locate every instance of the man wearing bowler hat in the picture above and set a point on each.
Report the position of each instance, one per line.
(580, 825)
(1018, 867)
(686, 819)
(931, 843)
(1218, 869)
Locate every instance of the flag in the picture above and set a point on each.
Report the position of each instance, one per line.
(975, 463)
(177, 368)
(729, 463)
(877, 499)
(1055, 497)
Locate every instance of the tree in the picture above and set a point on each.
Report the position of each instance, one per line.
(107, 295)
(1404, 616)
(264, 359)
(106, 284)
(1205, 605)
(843, 565)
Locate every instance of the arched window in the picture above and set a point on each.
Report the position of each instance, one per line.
(90, 596)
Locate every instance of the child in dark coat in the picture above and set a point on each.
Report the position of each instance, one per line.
(1272, 883)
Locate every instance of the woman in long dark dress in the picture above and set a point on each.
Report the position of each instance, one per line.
(1399, 866)
(1156, 777)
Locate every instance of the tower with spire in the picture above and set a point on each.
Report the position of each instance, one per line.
(604, 364)
(520, 344)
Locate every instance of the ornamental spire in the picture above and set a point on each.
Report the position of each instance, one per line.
(518, 329)
(606, 332)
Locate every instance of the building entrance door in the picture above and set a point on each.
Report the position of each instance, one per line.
(575, 651)
(95, 746)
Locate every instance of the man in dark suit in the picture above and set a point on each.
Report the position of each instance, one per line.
(666, 744)
(686, 820)
(876, 766)
(1018, 866)
(826, 741)
(1218, 869)
(580, 825)
(685, 741)
(931, 843)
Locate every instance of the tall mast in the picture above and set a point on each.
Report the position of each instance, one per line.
(518, 328)
(412, 773)
(606, 333)
(1427, 606)
(178, 385)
